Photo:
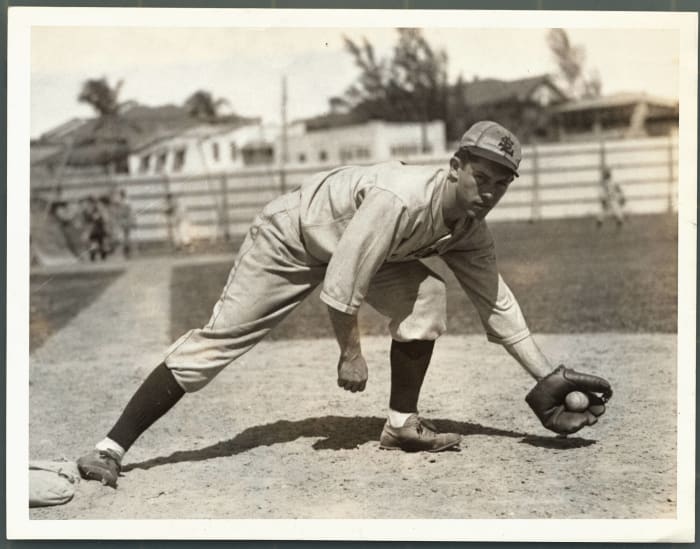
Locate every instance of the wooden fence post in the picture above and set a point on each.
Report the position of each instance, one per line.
(168, 218)
(223, 217)
(602, 158)
(535, 212)
(603, 164)
(283, 180)
(669, 199)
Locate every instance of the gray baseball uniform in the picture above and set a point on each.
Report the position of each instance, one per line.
(359, 231)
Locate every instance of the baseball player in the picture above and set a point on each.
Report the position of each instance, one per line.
(360, 232)
(612, 199)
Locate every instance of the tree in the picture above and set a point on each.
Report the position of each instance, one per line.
(106, 141)
(202, 106)
(571, 60)
(410, 86)
(98, 94)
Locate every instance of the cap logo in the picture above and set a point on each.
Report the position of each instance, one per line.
(506, 145)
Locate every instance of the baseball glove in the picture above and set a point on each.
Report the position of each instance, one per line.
(547, 399)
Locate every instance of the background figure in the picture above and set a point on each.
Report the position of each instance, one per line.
(179, 222)
(612, 199)
(68, 215)
(124, 220)
(96, 224)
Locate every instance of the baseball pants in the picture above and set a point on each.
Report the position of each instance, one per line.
(273, 274)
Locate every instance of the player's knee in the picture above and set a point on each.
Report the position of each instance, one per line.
(428, 319)
(424, 331)
(193, 380)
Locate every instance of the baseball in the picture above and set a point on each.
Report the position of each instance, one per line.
(576, 401)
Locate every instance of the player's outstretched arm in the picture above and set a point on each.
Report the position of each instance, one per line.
(530, 357)
(352, 368)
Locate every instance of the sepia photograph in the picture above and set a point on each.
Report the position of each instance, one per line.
(350, 272)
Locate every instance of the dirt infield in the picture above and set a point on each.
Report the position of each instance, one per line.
(273, 437)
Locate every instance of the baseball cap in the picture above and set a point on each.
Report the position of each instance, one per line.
(491, 140)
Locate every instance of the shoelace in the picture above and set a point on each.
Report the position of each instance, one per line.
(109, 455)
(427, 424)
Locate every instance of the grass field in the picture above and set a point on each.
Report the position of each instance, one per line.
(568, 276)
(55, 299)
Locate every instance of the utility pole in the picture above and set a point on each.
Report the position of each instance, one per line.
(283, 144)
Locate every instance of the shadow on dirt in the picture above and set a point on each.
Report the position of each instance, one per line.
(337, 433)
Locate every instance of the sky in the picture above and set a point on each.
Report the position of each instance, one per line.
(161, 65)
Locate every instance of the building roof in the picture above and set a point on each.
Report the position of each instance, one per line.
(333, 120)
(136, 124)
(490, 91)
(615, 100)
(39, 154)
(199, 132)
(135, 127)
(62, 130)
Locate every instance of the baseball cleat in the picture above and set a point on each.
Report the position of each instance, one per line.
(417, 435)
(100, 465)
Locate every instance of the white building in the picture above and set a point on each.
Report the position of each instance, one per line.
(205, 149)
(370, 142)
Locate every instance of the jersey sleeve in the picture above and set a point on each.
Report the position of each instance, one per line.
(373, 232)
(499, 311)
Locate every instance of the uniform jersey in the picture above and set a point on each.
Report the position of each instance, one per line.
(355, 219)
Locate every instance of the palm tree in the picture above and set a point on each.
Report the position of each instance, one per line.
(98, 94)
(202, 106)
(106, 142)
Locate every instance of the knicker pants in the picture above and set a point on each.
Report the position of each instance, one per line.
(273, 274)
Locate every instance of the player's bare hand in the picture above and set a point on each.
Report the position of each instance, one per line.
(352, 373)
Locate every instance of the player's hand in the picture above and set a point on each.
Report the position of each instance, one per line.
(547, 399)
(352, 373)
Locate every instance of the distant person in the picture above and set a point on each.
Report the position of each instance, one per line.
(96, 223)
(124, 220)
(64, 212)
(360, 232)
(179, 221)
(612, 200)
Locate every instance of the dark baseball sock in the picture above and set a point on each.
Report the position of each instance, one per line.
(156, 395)
(409, 362)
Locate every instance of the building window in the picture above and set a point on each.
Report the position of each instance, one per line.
(234, 151)
(323, 156)
(161, 159)
(407, 149)
(215, 151)
(348, 153)
(179, 160)
(145, 163)
(258, 156)
(301, 158)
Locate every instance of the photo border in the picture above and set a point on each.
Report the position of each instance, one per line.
(17, 330)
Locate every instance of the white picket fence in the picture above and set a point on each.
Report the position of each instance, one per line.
(557, 180)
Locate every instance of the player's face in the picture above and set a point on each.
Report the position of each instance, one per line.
(491, 179)
(481, 184)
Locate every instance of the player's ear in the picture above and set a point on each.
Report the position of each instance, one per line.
(455, 165)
